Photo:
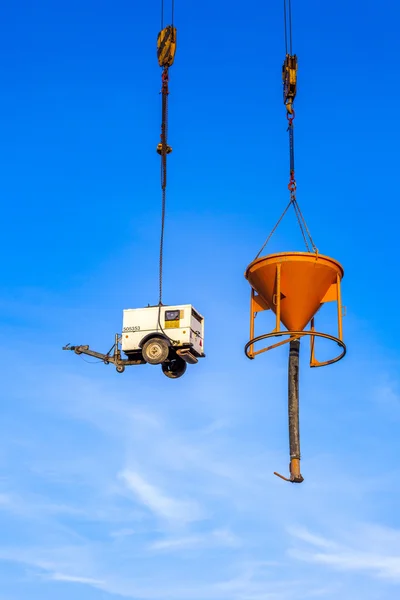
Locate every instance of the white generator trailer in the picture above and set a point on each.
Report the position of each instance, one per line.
(170, 336)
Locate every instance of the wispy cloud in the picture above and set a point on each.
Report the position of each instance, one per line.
(73, 565)
(251, 582)
(303, 534)
(221, 538)
(75, 579)
(380, 556)
(162, 505)
(150, 488)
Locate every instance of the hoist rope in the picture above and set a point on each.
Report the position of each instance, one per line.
(160, 283)
(165, 61)
(287, 19)
(172, 13)
(164, 135)
(285, 25)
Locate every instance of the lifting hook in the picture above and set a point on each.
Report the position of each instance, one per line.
(289, 107)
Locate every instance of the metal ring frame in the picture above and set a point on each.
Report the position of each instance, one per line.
(294, 335)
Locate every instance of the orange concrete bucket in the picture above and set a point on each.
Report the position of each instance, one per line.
(294, 285)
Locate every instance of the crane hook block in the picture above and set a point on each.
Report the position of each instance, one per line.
(166, 46)
(289, 77)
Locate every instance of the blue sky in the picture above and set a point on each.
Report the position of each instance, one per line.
(136, 486)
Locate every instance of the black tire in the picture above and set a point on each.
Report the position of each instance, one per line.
(120, 368)
(155, 351)
(174, 368)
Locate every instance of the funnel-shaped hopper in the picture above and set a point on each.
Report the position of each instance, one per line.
(305, 279)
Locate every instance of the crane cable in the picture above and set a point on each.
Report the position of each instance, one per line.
(164, 146)
(172, 13)
(289, 76)
(287, 19)
(166, 47)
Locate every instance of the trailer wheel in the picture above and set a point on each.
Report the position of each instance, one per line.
(155, 351)
(174, 368)
(120, 368)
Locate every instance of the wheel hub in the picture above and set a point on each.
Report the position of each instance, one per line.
(155, 351)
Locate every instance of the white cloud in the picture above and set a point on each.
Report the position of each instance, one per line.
(380, 558)
(74, 565)
(305, 535)
(166, 507)
(182, 467)
(350, 560)
(221, 538)
(75, 579)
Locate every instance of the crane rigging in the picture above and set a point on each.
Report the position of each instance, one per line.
(166, 48)
(289, 79)
(144, 337)
(293, 285)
